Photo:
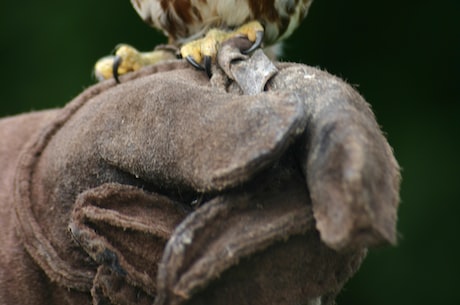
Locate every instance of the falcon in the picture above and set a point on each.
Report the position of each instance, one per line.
(198, 27)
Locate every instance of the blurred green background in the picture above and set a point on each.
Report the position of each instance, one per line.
(404, 57)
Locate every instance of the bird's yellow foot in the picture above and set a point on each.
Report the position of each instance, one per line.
(202, 52)
(128, 59)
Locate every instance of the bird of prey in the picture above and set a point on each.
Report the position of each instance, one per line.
(198, 27)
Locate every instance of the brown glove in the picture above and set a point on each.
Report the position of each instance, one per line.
(180, 190)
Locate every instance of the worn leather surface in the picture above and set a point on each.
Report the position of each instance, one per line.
(171, 188)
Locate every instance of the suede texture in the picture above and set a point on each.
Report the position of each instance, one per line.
(171, 188)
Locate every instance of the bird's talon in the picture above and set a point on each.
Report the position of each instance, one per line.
(202, 53)
(193, 62)
(116, 63)
(127, 59)
(207, 65)
(256, 44)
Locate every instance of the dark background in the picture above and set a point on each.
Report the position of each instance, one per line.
(403, 56)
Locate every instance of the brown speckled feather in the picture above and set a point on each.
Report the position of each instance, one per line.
(183, 20)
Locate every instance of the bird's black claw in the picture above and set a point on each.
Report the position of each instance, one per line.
(116, 64)
(192, 61)
(207, 65)
(256, 44)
